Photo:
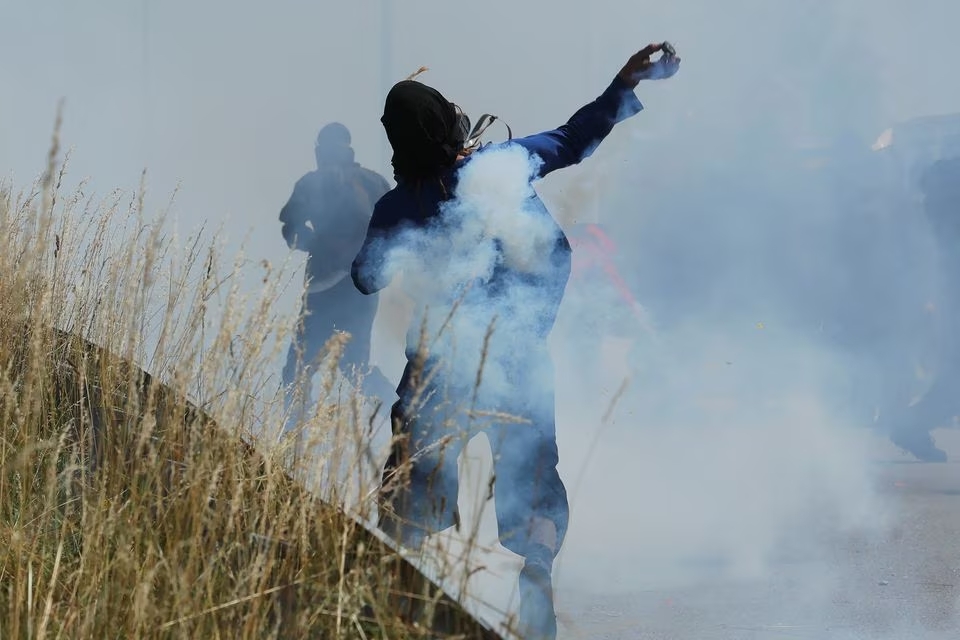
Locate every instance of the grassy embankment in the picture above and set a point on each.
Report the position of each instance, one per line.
(135, 505)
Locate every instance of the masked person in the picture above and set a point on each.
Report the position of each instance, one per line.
(327, 216)
(488, 254)
(910, 427)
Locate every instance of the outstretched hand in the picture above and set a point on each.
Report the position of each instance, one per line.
(641, 67)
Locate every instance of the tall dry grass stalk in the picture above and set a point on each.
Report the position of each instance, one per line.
(164, 505)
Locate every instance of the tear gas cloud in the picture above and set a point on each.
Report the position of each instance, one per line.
(783, 275)
(743, 200)
(444, 264)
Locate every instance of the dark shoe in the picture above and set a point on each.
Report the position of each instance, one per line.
(537, 618)
(920, 444)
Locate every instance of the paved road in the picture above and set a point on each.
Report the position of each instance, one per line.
(902, 584)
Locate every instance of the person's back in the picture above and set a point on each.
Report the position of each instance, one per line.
(327, 217)
(504, 257)
(463, 268)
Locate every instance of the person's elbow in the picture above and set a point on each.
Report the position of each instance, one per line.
(296, 233)
(361, 279)
(290, 236)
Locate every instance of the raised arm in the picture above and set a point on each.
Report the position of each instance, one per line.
(579, 137)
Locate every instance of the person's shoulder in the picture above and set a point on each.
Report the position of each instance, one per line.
(310, 180)
(407, 204)
(388, 199)
(514, 145)
(389, 205)
(371, 177)
(515, 149)
(309, 176)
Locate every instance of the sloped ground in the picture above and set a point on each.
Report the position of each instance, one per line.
(128, 513)
(134, 506)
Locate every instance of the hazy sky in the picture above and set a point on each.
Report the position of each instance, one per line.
(225, 97)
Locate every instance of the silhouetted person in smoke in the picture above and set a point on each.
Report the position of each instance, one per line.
(597, 272)
(327, 216)
(520, 292)
(910, 428)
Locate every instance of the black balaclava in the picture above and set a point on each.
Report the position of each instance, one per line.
(333, 145)
(423, 129)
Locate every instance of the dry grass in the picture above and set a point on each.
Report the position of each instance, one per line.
(135, 505)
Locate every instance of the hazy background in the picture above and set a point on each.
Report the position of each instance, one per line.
(744, 442)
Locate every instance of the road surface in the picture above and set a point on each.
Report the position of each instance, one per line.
(904, 584)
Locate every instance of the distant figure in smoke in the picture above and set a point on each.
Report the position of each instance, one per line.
(910, 428)
(327, 216)
(596, 276)
(515, 279)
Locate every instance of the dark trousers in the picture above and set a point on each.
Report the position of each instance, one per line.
(341, 308)
(420, 478)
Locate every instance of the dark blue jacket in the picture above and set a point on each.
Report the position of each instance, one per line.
(411, 206)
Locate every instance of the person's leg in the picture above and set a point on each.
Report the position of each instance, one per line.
(314, 328)
(532, 515)
(532, 507)
(909, 428)
(293, 367)
(419, 487)
(297, 355)
(919, 442)
(355, 361)
(356, 316)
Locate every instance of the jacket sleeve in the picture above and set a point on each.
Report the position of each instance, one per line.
(294, 216)
(579, 137)
(368, 269)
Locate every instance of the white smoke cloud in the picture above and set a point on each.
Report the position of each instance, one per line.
(490, 224)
